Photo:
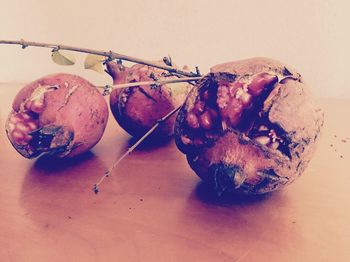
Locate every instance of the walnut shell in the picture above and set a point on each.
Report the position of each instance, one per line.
(254, 145)
(138, 108)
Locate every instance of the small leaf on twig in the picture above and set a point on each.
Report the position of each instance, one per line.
(63, 58)
(94, 62)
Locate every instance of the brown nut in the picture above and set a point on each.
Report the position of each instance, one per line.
(137, 109)
(268, 132)
(61, 114)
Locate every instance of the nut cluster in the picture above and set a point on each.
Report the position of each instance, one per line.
(22, 123)
(230, 106)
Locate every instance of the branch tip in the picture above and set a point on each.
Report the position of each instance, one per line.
(95, 189)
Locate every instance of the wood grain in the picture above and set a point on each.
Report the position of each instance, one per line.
(153, 208)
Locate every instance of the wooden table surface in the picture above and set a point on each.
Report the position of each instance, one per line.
(153, 207)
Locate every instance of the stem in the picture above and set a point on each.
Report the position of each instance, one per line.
(158, 82)
(132, 148)
(109, 54)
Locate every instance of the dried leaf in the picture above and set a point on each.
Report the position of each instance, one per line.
(94, 62)
(63, 58)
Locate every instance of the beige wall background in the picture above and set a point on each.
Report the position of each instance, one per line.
(312, 36)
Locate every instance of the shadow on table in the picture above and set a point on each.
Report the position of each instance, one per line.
(150, 143)
(49, 165)
(57, 188)
(245, 222)
(207, 195)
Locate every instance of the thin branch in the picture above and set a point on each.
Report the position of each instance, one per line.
(132, 148)
(109, 54)
(158, 82)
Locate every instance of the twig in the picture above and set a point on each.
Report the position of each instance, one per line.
(132, 148)
(159, 82)
(109, 54)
